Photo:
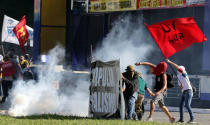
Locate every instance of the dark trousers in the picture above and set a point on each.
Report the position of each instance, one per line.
(6, 86)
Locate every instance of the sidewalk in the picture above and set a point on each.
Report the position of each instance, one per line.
(200, 119)
(202, 116)
(176, 109)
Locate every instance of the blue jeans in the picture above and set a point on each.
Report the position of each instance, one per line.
(186, 101)
(131, 107)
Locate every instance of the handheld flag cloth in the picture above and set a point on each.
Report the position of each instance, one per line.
(175, 35)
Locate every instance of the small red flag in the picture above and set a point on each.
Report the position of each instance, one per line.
(21, 33)
(175, 35)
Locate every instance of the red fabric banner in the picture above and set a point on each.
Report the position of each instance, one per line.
(175, 35)
(21, 33)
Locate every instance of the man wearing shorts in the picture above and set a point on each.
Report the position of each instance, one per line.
(160, 88)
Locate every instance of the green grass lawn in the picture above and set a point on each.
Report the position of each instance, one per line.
(64, 120)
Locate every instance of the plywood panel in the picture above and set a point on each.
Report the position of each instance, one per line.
(53, 12)
(50, 37)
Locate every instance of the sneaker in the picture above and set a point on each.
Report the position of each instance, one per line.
(180, 121)
(1, 102)
(191, 121)
(149, 119)
(172, 120)
(129, 118)
(136, 119)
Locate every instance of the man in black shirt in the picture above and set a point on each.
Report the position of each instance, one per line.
(160, 88)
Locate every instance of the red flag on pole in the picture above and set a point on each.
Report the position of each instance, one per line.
(175, 35)
(21, 33)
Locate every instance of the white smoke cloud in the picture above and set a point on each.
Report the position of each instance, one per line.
(128, 41)
(47, 95)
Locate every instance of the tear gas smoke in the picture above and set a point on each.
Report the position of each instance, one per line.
(48, 94)
(128, 41)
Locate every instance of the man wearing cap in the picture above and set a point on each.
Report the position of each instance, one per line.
(160, 88)
(130, 78)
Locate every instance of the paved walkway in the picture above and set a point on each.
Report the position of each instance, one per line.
(202, 116)
(200, 119)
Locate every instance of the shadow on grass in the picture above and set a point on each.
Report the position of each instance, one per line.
(51, 116)
(60, 117)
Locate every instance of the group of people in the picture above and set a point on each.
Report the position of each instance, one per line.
(135, 88)
(12, 69)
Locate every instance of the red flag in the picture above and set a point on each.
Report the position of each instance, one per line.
(21, 33)
(176, 34)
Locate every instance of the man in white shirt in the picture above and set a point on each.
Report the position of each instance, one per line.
(187, 92)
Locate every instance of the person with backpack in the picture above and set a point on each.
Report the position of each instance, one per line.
(160, 88)
(14, 60)
(27, 73)
(130, 78)
(187, 92)
(139, 107)
(23, 62)
(7, 70)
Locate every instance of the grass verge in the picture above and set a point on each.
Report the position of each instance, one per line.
(69, 120)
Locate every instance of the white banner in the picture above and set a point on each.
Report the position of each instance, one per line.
(9, 36)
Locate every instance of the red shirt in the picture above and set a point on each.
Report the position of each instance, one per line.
(8, 68)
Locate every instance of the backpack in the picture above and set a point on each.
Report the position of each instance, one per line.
(159, 81)
(132, 85)
(170, 83)
(193, 88)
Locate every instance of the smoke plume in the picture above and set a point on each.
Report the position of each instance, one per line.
(63, 92)
(55, 92)
(128, 41)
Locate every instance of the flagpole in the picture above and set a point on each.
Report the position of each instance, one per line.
(28, 45)
(2, 48)
(170, 65)
(91, 53)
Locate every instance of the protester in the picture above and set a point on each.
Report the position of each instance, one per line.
(28, 58)
(8, 70)
(139, 107)
(23, 62)
(15, 62)
(187, 92)
(160, 88)
(27, 73)
(130, 78)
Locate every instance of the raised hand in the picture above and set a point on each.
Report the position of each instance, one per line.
(138, 63)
